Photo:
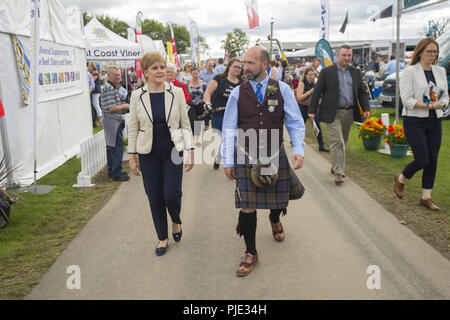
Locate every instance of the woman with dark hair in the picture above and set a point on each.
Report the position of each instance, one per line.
(424, 93)
(303, 94)
(196, 89)
(217, 93)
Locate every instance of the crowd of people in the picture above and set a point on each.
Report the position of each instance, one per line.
(168, 107)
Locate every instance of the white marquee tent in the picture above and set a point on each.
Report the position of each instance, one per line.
(103, 44)
(64, 116)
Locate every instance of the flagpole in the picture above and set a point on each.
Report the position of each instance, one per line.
(397, 61)
(35, 36)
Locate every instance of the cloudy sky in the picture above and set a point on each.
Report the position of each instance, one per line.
(294, 20)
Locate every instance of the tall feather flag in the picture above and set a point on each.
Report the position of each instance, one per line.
(193, 30)
(175, 55)
(138, 33)
(324, 19)
(344, 25)
(252, 13)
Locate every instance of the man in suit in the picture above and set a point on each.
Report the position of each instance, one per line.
(341, 89)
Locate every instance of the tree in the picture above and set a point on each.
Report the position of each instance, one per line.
(236, 43)
(439, 26)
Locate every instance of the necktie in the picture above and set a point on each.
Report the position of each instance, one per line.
(259, 93)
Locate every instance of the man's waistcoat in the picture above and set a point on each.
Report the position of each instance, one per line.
(252, 115)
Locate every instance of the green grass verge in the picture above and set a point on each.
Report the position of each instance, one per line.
(375, 172)
(41, 226)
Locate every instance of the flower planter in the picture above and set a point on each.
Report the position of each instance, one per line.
(372, 143)
(399, 150)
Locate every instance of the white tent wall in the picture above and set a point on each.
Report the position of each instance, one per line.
(64, 123)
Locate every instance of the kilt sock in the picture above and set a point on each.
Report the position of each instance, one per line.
(274, 215)
(247, 227)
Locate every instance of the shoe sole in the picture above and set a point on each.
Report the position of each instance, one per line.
(398, 196)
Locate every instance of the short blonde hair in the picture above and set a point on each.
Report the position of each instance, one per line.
(150, 58)
(111, 68)
(93, 66)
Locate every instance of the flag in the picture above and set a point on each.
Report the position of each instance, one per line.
(248, 7)
(344, 25)
(323, 52)
(324, 19)
(193, 33)
(138, 33)
(170, 52)
(386, 13)
(2, 110)
(255, 13)
(175, 55)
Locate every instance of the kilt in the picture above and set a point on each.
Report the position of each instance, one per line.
(248, 196)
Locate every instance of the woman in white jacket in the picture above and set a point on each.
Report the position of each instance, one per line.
(422, 117)
(159, 132)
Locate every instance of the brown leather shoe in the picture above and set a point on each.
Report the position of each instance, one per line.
(399, 188)
(429, 204)
(249, 261)
(277, 231)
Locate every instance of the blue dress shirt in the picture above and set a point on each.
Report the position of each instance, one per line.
(293, 121)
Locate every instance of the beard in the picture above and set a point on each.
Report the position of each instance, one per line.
(253, 76)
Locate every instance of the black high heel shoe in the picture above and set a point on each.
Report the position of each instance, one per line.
(162, 250)
(177, 236)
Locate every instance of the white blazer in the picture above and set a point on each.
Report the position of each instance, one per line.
(413, 84)
(140, 127)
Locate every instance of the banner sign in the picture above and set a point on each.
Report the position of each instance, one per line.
(324, 19)
(23, 64)
(324, 52)
(174, 47)
(194, 43)
(139, 32)
(169, 52)
(412, 3)
(252, 14)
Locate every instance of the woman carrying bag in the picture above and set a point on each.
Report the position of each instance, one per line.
(159, 132)
(424, 93)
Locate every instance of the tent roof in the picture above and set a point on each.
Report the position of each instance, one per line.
(100, 36)
(57, 24)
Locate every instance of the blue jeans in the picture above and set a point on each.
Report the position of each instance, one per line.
(217, 122)
(114, 155)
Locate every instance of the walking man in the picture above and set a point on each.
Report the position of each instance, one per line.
(113, 123)
(341, 89)
(256, 112)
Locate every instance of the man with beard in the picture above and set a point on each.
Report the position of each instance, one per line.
(257, 109)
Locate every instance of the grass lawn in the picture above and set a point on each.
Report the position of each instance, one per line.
(41, 226)
(375, 172)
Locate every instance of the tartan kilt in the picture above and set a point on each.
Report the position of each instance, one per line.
(248, 196)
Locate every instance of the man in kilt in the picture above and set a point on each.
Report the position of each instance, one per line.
(252, 146)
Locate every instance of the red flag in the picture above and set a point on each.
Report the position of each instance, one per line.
(255, 14)
(248, 7)
(2, 111)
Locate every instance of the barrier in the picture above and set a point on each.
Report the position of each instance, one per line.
(93, 159)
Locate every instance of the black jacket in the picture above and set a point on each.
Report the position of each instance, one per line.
(327, 88)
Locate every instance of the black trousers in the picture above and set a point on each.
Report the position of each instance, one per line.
(195, 111)
(304, 111)
(162, 182)
(424, 135)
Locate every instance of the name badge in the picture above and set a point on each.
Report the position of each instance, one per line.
(272, 102)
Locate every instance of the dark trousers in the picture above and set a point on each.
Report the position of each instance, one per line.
(194, 112)
(424, 135)
(94, 117)
(114, 155)
(304, 111)
(217, 121)
(162, 182)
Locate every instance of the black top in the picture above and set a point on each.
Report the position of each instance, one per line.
(162, 141)
(308, 85)
(222, 93)
(430, 78)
